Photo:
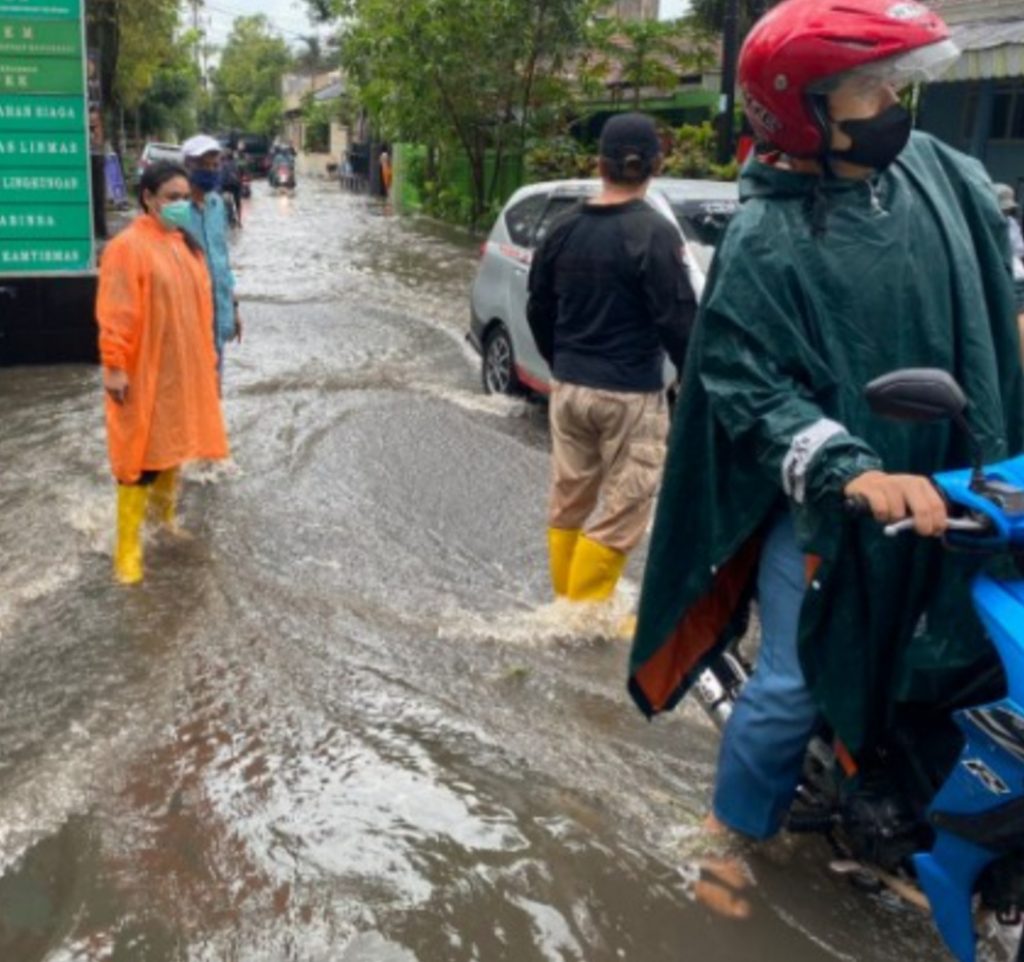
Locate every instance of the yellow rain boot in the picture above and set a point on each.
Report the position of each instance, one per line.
(627, 628)
(561, 545)
(595, 571)
(163, 502)
(131, 510)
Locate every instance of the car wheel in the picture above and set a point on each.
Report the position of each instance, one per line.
(499, 363)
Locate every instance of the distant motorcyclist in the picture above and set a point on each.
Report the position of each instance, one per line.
(282, 159)
(859, 248)
(231, 182)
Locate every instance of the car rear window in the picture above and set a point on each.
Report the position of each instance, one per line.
(164, 152)
(254, 145)
(703, 223)
(554, 210)
(521, 218)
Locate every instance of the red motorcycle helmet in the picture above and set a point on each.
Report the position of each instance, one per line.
(801, 48)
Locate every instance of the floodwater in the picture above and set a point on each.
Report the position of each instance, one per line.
(341, 723)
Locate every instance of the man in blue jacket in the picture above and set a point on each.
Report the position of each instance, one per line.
(210, 228)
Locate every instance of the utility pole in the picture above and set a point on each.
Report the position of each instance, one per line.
(727, 100)
(197, 47)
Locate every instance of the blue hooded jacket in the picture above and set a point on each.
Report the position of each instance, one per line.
(210, 229)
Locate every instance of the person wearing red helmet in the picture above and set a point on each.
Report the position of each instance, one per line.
(860, 247)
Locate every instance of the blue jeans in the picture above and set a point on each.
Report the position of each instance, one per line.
(763, 746)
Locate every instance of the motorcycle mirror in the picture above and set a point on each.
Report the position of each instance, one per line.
(916, 394)
(925, 394)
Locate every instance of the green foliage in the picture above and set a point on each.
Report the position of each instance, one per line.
(648, 55)
(693, 155)
(559, 158)
(169, 104)
(468, 76)
(247, 85)
(146, 67)
(317, 118)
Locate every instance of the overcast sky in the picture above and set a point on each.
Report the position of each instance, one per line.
(289, 16)
(670, 9)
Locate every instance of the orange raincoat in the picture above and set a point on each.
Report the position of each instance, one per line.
(155, 313)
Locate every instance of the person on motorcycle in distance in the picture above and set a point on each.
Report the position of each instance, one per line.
(860, 247)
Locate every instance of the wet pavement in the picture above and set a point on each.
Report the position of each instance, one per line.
(340, 723)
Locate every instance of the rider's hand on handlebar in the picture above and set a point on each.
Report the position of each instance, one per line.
(893, 497)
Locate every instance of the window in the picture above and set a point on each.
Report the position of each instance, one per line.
(1001, 108)
(521, 218)
(1008, 112)
(557, 207)
(1017, 118)
(970, 115)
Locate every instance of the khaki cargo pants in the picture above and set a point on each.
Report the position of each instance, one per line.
(608, 453)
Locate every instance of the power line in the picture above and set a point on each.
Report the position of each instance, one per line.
(216, 8)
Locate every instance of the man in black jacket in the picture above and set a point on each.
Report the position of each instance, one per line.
(609, 295)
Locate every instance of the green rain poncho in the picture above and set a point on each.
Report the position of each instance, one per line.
(818, 287)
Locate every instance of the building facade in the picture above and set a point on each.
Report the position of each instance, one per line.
(636, 9)
(979, 105)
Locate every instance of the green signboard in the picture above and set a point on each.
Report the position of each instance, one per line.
(61, 220)
(45, 197)
(42, 9)
(51, 114)
(37, 187)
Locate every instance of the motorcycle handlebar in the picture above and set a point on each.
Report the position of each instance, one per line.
(858, 506)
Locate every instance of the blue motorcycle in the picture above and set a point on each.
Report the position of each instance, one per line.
(942, 806)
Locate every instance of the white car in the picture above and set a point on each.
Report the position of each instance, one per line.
(699, 209)
(153, 153)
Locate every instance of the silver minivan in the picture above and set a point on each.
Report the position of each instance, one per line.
(699, 209)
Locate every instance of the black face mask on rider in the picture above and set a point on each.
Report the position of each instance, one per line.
(877, 141)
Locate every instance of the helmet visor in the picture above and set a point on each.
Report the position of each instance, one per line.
(916, 66)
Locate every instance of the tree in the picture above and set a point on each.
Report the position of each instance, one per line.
(144, 65)
(474, 76)
(651, 53)
(247, 85)
(316, 57)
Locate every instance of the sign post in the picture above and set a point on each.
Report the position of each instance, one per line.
(46, 224)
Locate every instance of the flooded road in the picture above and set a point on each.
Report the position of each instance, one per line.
(339, 723)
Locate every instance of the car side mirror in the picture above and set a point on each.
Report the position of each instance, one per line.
(925, 394)
(916, 394)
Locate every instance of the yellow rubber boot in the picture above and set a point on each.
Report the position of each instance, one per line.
(595, 571)
(561, 545)
(163, 501)
(131, 511)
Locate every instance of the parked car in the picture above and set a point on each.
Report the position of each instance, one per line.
(510, 362)
(253, 152)
(154, 152)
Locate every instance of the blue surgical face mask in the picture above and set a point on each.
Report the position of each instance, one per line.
(205, 180)
(176, 214)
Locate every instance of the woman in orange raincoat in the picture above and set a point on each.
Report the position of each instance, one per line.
(155, 313)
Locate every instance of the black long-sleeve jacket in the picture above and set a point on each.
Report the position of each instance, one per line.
(608, 293)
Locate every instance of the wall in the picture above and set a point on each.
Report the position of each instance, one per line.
(942, 113)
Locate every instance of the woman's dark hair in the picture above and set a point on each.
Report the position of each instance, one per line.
(156, 175)
(153, 178)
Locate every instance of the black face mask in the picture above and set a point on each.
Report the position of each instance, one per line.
(877, 141)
